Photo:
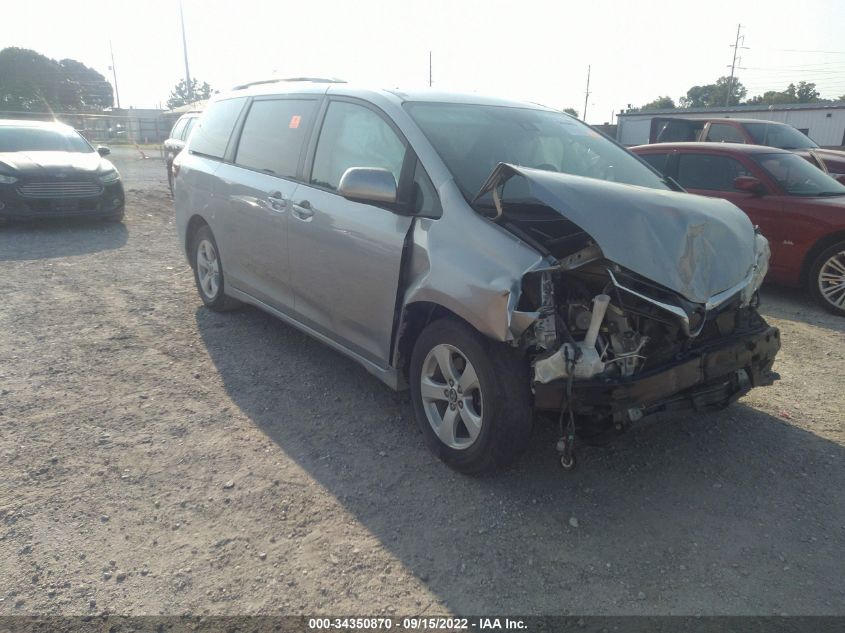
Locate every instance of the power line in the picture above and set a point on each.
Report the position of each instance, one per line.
(586, 95)
(736, 48)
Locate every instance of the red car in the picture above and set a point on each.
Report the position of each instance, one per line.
(751, 131)
(799, 208)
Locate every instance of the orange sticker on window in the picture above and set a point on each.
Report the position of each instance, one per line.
(294, 121)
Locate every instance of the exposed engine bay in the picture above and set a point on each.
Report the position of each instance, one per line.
(606, 343)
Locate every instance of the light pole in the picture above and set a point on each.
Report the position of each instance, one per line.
(188, 85)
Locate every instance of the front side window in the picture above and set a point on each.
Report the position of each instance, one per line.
(212, 133)
(798, 177)
(472, 139)
(724, 133)
(42, 139)
(354, 136)
(709, 171)
(658, 161)
(273, 135)
(778, 135)
(189, 127)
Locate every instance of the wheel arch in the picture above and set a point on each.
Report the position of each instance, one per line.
(816, 249)
(194, 224)
(416, 317)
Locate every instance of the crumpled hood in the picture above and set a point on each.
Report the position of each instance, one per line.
(38, 163)
(694, 245)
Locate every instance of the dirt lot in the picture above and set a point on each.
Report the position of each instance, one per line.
(156, 457)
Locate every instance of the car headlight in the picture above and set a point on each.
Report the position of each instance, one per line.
(109, 177)
(7, 180)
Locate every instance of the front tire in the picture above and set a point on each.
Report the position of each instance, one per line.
(826, 281)
(208, 271)
(471, 397)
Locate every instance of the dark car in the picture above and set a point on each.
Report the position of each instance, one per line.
(748, 131)
(176, 141)
(48, 169)
(800, 209)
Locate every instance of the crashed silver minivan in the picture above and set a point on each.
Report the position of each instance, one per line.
(497, 258)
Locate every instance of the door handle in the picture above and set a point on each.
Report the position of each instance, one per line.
(277, 200)
(303, 211)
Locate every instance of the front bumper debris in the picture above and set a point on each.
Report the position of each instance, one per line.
(710, 376)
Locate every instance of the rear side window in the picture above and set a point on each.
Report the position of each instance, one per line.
(273, 135)
(708, 171)
(176, 132)
(723, 133)
(658, 161)
(354, 136)
(211, 135)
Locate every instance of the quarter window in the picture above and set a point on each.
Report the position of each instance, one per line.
(723, 133)
(425, 200)
(212, 133)
(354, 136)
(273, 135)
(708, 171)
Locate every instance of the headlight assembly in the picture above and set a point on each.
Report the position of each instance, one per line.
(7, 180)
(109, 177)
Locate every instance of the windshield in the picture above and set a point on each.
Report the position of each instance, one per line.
(798, 177)
(37, 139)
(778, 135)
(473, 139)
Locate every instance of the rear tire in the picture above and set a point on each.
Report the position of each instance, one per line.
(482, 419)
(208, 271)
(826, 281)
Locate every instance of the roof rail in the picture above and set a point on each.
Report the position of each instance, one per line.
(316, 80)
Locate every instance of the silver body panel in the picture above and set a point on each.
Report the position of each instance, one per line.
(348, 272)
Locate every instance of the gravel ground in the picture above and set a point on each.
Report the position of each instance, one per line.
(156, 457)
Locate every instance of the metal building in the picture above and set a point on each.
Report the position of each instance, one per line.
(822, 122)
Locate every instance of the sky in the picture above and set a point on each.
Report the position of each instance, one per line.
(529, 50)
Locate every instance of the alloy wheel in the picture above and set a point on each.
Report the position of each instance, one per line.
(831, 280)
(208, 269)
(451, 396)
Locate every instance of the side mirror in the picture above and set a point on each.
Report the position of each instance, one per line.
(102, 150)
(749, 184)
(840, 178)
(368, 184)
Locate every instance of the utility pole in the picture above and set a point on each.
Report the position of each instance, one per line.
(114, 75)
(188, 85)
(586, 96)
(429, 69)
(736, 48)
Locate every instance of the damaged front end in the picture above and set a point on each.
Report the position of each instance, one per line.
(647, 301)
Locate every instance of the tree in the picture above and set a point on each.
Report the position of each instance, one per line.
(30, 81)
(805, 92)
(182, 95)
(842, 98)
(94, 91)
(571, 111)
(661, 103)
(714, 95)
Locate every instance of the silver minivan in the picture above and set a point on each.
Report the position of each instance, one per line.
(498, 258)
